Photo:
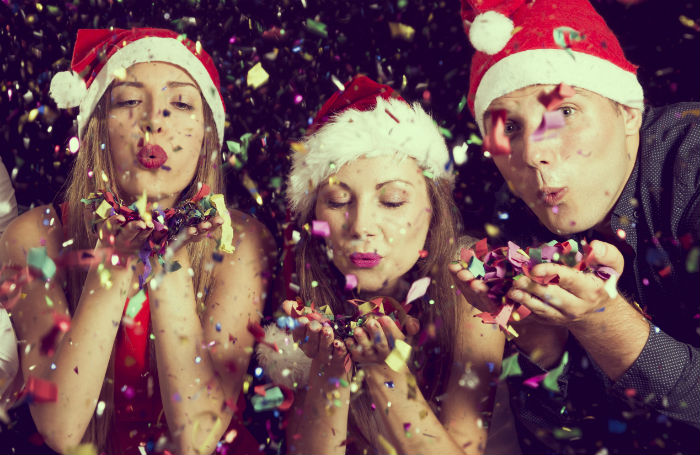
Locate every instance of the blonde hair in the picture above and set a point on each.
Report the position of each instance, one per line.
(95, 158)
(312, 266)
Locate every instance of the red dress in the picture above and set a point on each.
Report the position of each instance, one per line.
(139, 418)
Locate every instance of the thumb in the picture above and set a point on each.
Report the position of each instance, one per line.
(604, 254)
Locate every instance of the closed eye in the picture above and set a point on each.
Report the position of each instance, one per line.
(393, 205)
(128, 103)
(182, 106)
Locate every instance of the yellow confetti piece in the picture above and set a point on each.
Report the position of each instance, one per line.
(398, 356)
(140, 203)
(226, 243)
(298, 147)
(386, 445)
(365, 308)
(87, 448)
(257, 76)
(103, 210)
(326, 309)
(120, 74)
(403, 31)
(32, 114)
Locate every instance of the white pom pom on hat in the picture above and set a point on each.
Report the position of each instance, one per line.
(490, 32)
(67, 89)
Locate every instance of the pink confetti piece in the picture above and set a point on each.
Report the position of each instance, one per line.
(534, 381)
(418, 289)
(350, 282)
(320, 228)
(496, 142)
(551, 120)
(553, 100)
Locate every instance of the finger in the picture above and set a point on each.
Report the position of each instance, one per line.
(312, 339)
(580, 284)
(378, 339)
(339, 350)
(299, 332)
(464, 275)
(542, 309)
(362, 339)
(551, 294)
(391, 330)
(454, 267)
(605, 254)
(411, 325)
(325, 344)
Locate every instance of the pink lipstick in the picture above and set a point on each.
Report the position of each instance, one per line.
(553, 196)
(365, 260)
(152, 156)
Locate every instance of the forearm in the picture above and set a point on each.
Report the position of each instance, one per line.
(191, 391)
(613, 338)
(81, 359)
(320, 423)
(398, 404)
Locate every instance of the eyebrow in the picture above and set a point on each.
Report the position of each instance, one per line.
(378, 186)
(170, 84)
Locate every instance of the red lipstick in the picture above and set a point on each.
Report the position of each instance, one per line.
(152, 156)
(365, 260)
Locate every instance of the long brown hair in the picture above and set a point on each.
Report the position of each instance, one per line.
(95, 156)
(313, 266)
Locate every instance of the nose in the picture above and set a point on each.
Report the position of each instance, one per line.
(540, 153)
(362, 220)
(152, 118)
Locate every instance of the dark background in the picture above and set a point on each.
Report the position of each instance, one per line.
(37, 41)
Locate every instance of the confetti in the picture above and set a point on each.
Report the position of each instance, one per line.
(257, 76)
(320, 228)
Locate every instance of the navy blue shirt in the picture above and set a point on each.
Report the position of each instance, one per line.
(655, 406)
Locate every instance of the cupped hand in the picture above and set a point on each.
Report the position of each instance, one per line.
(475, 291)
(125, 237)
(316, 339)
(578, 296)
(372, 343)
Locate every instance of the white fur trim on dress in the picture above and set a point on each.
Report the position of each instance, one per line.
(554, 66)
(392, 128)
(153, 49)
(288, 367)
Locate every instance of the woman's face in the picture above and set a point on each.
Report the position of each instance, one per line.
(379, 213)
(156, 131)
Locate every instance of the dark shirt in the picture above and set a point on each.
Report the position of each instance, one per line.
(655, 406)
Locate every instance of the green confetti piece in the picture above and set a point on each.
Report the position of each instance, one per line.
(567, 433)
(691, 262)
(476, 267)
(474, 139)
(462, 103)
(272, 399)
(550, 381)
(38, 259)
(135, 304)
(428, 174)
(510, 367)
(318, 28)
(445, 132)
(276, 182)
(233, 146)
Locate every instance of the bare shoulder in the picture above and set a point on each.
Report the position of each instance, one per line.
(39, 227)
(253, 245)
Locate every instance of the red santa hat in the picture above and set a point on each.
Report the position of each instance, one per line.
(101, 55)
(365, 119)
(523, 42)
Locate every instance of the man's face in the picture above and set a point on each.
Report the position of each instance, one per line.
(573, 176)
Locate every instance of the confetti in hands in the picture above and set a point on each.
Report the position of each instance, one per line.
(167, 223)
(498, 268)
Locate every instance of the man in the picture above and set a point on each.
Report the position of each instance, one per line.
(563, 116)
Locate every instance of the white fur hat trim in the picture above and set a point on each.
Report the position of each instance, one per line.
(288, 367)
(393, 127)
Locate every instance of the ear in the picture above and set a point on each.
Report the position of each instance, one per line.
(632, 118)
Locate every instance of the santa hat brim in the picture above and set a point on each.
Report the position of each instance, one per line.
(392, 128)
(554, 66)
(153, 49)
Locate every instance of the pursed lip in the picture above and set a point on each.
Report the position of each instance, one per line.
(152, 156)
(365, 260)
(553, 196)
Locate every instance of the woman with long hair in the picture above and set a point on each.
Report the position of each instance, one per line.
(143, 215)
(372, 198)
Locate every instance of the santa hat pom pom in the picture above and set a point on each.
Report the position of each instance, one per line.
(490, 32)
(288, 367)
(67, 89)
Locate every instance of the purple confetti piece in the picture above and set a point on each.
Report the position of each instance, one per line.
(550, 120)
